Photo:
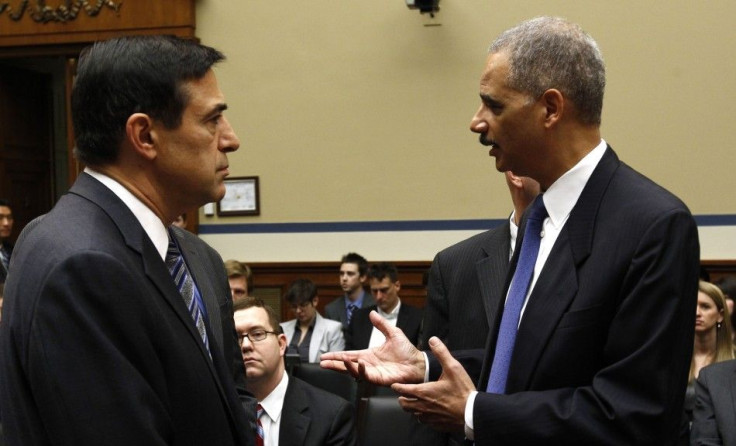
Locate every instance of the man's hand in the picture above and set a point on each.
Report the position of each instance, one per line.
(396, 361)
(441, 403)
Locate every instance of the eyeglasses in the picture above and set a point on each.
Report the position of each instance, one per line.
(255, 336)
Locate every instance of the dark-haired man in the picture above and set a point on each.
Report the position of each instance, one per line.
(116, 329)
(353, 269)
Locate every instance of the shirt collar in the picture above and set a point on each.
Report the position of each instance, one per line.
(358, 302)
(563, 194)
(274, 402)
(146, 217)
(394, 314)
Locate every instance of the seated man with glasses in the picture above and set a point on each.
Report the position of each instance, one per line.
(310, 335)
(288, 408)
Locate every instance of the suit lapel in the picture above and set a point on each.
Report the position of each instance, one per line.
(294, 421)
(317, 336)
(491, 271)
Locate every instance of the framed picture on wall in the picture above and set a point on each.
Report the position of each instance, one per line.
(241, 197)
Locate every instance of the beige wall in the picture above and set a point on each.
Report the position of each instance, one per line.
(355, 111)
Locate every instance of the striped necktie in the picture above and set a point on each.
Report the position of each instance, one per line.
(350, 309)
(259, 427)
(516, 297)
(188, 289)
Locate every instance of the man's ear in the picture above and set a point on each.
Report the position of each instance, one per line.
(554, 106)
(140, 134)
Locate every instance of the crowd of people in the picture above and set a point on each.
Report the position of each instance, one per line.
(558, 327)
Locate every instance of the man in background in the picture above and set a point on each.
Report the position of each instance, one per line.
(384, 282)
(353, 269)
(240, 277)
(292, 412)
(109, 307)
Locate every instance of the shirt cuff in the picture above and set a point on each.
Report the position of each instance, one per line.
(469, 433)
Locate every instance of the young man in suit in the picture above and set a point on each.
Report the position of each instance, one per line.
(309, 334)
(600, 344)
(99, 343)
(715, 405)
(353, 269)
(293, 412)
(384, 282)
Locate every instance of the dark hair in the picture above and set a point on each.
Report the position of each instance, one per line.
(301, 291)
(140, 74)
(353, 257)
(384, 269)
(6, 203)
(251, 302)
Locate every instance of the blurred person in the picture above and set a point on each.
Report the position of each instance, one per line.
(240, 277)
(715, 405)
(6, 231)
(181, 221)
(309, 335)
(727, 284)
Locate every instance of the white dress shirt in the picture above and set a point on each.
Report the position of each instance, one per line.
(377, 338)
(153, 225)
(271, 417)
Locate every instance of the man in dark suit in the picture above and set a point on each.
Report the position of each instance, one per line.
(97, 344)
(353, 269)
(601, 351)
(293, 411)
(466, 277)
(715, 405)
(384, 282)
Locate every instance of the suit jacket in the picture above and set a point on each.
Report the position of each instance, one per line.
(463, 281)
(312, 416)
(3, 271)
(335, 310)
(603, 349)
(326, 337)
(359, 332)
(714, 417)
(96, 344)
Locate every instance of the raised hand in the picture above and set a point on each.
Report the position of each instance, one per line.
(441, 403)
(395, 361)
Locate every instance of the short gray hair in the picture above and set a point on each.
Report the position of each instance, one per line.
(551, 52)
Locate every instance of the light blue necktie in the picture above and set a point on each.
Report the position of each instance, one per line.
(517, 294)
(188, 289)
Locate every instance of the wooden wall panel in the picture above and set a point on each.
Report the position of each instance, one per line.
(132, 17)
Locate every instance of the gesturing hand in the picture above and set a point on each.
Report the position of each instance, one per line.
(395, 361)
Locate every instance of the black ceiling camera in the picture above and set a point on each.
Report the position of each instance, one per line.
(424, 6)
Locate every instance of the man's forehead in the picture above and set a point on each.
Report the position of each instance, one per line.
(5, 210)
(349, 267)
(253, 317)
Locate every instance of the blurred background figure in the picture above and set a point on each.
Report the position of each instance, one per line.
(181, 221)
(715, 405)
(240, 277)
(727, 284)
(309, 334)
(712, 342)
(6, 230)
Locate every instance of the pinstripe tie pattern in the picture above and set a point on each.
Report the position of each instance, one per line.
(187, 289)
(259, 427)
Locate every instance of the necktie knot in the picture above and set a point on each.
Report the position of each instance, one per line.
(537, 211)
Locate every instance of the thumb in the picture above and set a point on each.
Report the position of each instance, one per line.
(380, 323)
(440, 351)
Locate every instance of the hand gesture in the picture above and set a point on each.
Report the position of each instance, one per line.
(396, 361)
(441, 403)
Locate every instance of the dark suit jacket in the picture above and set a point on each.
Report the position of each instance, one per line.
(463, 281)
(335, 310)
(312, 416)
(96, 344)
(359, 332)
(714, 417)
(4, 272)
(603, 349)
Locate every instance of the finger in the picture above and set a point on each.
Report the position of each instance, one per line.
(441, 352)
(406, 390)
(333, 365)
